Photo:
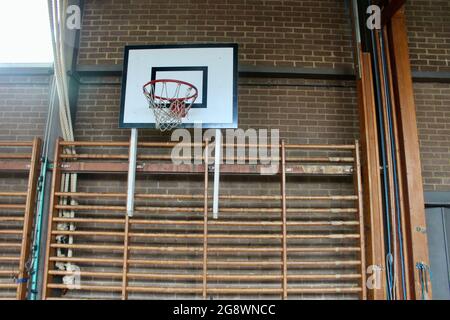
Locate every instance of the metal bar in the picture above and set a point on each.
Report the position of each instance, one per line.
(357, 37)
(125, 259)
(36, 255)
(131, 184)
(28, 220)
(283, 220)
(205, 226)
(217, 162)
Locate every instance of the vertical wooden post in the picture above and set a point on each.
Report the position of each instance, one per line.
(56, 186)
(283, 217)
(125, 259)
(373, 219)
(358, 193)
(409, 151)
(205, 225)
(28, 220)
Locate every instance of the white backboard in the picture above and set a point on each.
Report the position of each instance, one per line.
(211, 68)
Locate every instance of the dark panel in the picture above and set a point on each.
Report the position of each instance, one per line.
(438, 223)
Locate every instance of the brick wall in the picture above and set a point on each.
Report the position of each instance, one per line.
(277, 33)
(23, 107)
(433, 121)
(428, 25)
(305, 111)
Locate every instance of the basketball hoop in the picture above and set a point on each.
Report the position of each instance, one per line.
(170, 101)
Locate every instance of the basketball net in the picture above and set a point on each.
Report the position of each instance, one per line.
(169, 105)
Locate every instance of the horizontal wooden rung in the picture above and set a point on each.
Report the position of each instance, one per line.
(213, 277)
(13, 194)
(89, 220)
(12, 206)
(11, 219)
(9, 259)
(10, 245)
(102, 288)
(166, 249)
(88, 274)
(15, 156)
(197, 196)
(8, 285)
(9, 272)
(200, 222)
(16, 143)
(172, 144)
(87, 260)
(324, 290)
(87, 246)
(87, 233)
(188, 290)
(11, 232)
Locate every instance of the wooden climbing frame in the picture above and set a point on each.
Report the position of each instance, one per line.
(281, 245)
(17, 209)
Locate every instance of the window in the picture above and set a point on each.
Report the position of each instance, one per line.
(25, 32)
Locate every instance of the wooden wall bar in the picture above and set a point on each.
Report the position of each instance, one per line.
(16, 219)
(251, 251)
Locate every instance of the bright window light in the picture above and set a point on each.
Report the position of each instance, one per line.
(25, 32)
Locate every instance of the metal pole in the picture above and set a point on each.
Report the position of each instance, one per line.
(132, 171)
(357, 32)
(205, 227)
(38, 235)
(217, 159)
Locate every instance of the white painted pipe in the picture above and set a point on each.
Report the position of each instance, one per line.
(132, 171)
(217, 160)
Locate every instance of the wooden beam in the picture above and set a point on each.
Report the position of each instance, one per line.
(28, 219)
(390, 10)
(371, 175)
(169, 168)
(359, 202)
(408, 145)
